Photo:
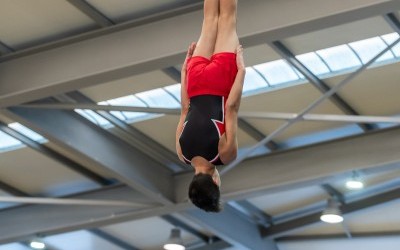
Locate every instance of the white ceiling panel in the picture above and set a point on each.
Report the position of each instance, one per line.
(338, 35)
(126, 86)
(24, 22)
(46, 176)
(259, 54)
(374, 91)
(281, 202)
(121, 10)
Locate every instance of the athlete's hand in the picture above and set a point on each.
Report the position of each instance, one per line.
(239, 58)
(189, 54)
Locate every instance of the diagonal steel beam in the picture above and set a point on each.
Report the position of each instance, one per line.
(112, 239)
(225, 225)
(105, 151)
(281, 49)
(178, 223)
(4, 49)
(92, 12)
(141, 141)
(307, 109)
(252, 212)
(55, 156)
(393, 21)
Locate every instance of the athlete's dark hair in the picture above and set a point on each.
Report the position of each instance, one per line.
(204, 193)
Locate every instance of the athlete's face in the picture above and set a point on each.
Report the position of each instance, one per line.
(216, 178)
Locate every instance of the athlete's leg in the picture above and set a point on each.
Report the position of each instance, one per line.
(206, 43)
(227, 38)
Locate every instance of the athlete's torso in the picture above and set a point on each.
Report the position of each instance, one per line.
(203, 127)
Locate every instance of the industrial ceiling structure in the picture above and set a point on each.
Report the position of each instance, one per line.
(89, 97)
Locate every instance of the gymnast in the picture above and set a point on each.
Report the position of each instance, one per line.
(211, 88)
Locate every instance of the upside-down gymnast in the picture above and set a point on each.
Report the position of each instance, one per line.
(211, 88)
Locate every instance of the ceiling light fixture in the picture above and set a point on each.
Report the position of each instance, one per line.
(174, 241)
(332, 214)
(355, 182)
(37, 244)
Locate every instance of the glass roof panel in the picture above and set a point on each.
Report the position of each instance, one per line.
(13, 246)
(253, 80)
(93, 117)
(277, 72)
(390, 38)
(158, 98)
(174, 90)
(368, 48)
(27, 132)
(7, 142)
(129, 100)
(339, 57)
(314, 63)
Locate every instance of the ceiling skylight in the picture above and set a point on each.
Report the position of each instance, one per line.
(368, 48)
(175, 91)
(27, 132)
(314, 63)
(277, 72)
(254, 80)
(93, 117)
(158, 98)
(339, 57)
(129, 100)
(390, 38)
(8, 142)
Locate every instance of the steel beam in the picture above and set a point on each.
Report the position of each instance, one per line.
(92, 12)
(232, 227)
(178, 223)
(107, 152)
(281, 49)
(254, 115)
(4, 49)
(288, 226)
(252, 212)
(55, 156)
(98, 60)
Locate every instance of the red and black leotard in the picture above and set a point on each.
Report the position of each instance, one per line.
(203, 127)
(209, 82)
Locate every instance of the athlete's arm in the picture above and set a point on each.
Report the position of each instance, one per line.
(185, 102)
(228, 146)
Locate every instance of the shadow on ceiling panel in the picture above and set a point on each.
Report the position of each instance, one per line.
(47, 177)
(123, 10)
(127, 86)
(26, 23)
(286, 201)
(374, 91)
(338, 35)
(150, 233)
